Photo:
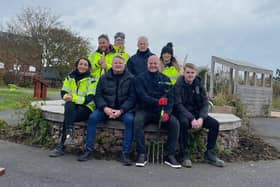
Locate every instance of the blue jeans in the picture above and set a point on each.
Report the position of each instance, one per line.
(98, 116)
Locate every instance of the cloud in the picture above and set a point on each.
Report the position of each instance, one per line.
(246, 30)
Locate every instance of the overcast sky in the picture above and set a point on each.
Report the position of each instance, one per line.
(243, 30)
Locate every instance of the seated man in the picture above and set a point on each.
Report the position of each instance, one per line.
(114, 100)
(191, 109)
(152, 96)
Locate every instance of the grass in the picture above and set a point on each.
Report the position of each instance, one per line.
(10, 99)
(276, 103)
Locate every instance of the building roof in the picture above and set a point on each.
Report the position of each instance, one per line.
(241, 65)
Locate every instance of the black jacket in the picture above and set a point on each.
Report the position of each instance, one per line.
(138, 63)
(115, 93)
(190, 100)
(149, 88)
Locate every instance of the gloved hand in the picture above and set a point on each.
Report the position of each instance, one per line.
(165, 117)
(162, 101)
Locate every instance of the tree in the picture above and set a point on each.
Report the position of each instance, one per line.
(277, 76)
(58, 46)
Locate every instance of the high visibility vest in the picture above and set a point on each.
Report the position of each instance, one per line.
(172, 73)
(97, 71)
(121, 52)
(84, 87)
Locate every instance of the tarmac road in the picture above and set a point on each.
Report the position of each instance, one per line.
(31, 167)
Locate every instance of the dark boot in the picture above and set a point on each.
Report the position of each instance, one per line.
(88, 155)
(57, 152)
(126, 160)
(211, 157)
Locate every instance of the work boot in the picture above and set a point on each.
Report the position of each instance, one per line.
(88, 155)
(69, 137)
(126, 160)
(186, 162)
(211, 157)
(57, 152)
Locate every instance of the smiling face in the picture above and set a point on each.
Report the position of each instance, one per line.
(118, 65)
(103, 44)
(119, 42)
(166, 57)
(153, 63)
(189, 74)
(83, 66)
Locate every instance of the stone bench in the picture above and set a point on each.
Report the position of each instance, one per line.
(53, 112)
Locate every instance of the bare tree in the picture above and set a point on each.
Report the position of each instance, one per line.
(58, 46)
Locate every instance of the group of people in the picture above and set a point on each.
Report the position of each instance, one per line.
(138, 90)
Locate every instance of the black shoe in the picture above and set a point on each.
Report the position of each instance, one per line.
(126, 160)
(57, 152)
(142, 160)
(211, 157)
(69, 138)
(88, 155)
(172, 162)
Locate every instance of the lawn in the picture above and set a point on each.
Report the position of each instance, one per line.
(10, 99)
(276, 103)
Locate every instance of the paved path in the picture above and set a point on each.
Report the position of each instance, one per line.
(269, 129)
(28, 166)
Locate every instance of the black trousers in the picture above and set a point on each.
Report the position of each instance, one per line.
(143, 118)
(209, 123)
(73, 113)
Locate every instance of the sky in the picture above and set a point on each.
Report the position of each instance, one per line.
(242, 30)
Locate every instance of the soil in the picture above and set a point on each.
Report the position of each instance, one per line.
(251, 148)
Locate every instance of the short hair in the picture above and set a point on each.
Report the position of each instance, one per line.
(143, 38)
(105, 36)
(119, 56)
(189, 65)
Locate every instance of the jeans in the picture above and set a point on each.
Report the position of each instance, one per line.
(98, 116)
(73, 113)
(143, 118)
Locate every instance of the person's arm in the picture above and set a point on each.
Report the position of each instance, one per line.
(99, 100)
(203, 112)
(179, 103)
(142, 92)
(130, 101)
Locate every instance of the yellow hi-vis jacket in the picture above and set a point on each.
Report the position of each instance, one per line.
(97, 71)
(171, 72)
(121, 51)
(80, 90)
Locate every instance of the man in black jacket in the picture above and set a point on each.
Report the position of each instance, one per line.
(191, 109)
(153, 95)
(114, 100)
(138, 63)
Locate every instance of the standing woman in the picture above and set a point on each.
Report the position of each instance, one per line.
(78, 91)
(169, 64)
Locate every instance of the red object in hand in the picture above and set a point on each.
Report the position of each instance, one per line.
(162, 101)
(165, 117)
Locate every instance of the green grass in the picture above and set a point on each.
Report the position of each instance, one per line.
(11, 99)
(276, 103)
